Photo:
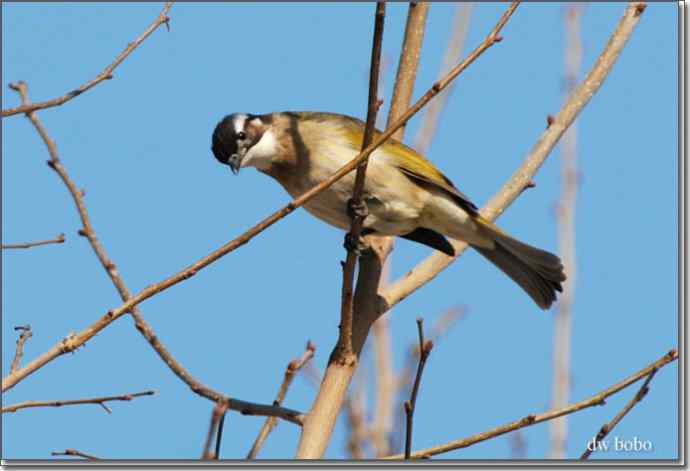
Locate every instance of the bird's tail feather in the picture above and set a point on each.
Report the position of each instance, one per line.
(538, 272)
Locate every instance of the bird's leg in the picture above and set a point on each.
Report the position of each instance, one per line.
(357, 209)
(357, 246)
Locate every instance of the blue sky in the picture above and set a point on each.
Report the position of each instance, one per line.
(140, 146)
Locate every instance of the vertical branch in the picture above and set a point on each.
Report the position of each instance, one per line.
(385, 380)
(344, 352)
(319, 423)
(425, 347)
(402, 95)
(218, 412)
(566, 240)
(455, 45)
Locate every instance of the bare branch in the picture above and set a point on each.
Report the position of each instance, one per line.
(425, 347)
(23, 337)
(606, 428)
(385, 382)
(73, 452)
(107, 73)
(73, 402)
(59, 239)
(292, 369)
(218, 412)
(343, 353)
(408, 63)
(566, 241)
(596, 400)
(355, 409)
(434, 264)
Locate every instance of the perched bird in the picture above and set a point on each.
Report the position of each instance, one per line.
(405, 194)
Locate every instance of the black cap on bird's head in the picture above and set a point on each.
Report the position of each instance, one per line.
(227, 141)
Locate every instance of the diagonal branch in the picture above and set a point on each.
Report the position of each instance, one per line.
(60, 239)
(107, 73)
(596, 400)
(73, 452)
(606, 428)
(434, 264)
(73, 402)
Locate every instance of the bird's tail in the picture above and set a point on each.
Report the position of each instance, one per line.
(538, 272)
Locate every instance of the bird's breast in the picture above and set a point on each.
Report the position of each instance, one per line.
(393, 201)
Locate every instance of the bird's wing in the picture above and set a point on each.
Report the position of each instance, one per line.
(407, 160)
(424, 173)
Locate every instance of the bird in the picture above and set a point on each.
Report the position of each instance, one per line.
(405, 194)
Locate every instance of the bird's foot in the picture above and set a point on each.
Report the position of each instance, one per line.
(357, 209)
(357, 246)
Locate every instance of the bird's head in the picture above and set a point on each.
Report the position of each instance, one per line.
(242, 140)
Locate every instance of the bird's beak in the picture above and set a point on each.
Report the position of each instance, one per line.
(235, 163)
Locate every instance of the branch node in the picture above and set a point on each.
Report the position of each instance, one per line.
(640, 8)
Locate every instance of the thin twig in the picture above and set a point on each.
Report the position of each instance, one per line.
(73, 452)
(218, 411)
(606, 428)
(566, 242)
(219, 435)
(405, 378)
(426, 270)
(71, 343)
(425, 347)
(73, 402)
(292, 369)
(23, 337)
(107, 73)
(344, 352)
(60, 239)
(595, 400)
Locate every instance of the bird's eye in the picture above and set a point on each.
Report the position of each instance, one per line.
(241, 135)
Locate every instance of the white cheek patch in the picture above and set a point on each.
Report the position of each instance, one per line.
(238, 122)
(261, 154)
